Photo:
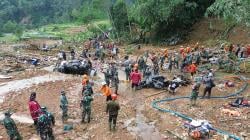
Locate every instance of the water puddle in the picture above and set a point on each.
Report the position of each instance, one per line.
(19, 118)
(139, 127)
(27, 83)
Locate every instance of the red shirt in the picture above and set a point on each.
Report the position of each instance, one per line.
(135, 77)
(35, 109)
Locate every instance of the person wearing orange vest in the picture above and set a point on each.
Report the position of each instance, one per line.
(165, 53)
(192, 69)
(85, 80)
(106, 91)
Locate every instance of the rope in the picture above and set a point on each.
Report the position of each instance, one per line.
(178, 114)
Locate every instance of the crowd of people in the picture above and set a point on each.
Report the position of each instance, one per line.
(185, 60)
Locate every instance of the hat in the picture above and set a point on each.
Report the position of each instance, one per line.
(63, 92)
(104, 83)
(43, 108)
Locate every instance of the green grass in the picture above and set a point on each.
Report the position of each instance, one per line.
(60, 31)
(8, 38)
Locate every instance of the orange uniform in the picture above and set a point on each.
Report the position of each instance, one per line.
(166, 52)
(106, 91)
(192, 68)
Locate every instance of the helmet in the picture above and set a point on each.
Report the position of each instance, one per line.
(85, 76)
(114, 96)
(43, 108)
(104, 83)
(63, 92)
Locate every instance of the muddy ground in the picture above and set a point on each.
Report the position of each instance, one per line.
(137, 119)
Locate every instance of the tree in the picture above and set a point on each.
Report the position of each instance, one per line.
(19, 32)
(9, 27)
(233, 10)
(119, 17)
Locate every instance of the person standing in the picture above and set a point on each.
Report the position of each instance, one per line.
(64, 105)
(195, 93)
(11, 127)
(128, 71)
(116, 83)
(192, 69)
(209, 84)
(113, 108)
(86, 107)
(35, 108)
(106, 91)
(45, 126)
(135, 77)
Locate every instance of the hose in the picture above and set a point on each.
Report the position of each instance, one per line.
(155, 104)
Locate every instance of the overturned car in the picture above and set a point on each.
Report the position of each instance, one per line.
(75, 67)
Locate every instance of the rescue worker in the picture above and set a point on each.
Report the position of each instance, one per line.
(113, 108)
(106, 91)
(162, 59)
(209, 84)
(35, 108)
(195, 93)
(107, 76)
(116, 83)
(49, 115)
(141, 63)
(11, 127)
(64, 105)
(128, 71)
(88, 90)
(72, 54)
(192, 69)
(135, 77)
(86, 107)
(45, 125)
(85, 80)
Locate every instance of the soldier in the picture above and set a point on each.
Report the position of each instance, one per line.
(116, 82)
(64, 106)
(112, 108)
(88, 90)
(45, 122)
(49, 114)
(195, 92)
(128, 71)
(107, 76)
(86, 106)
(11, 127)
(141, 64)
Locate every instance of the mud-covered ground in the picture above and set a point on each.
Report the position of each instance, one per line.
(137, 119)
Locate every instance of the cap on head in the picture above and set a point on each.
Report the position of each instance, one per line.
(43, 108)
(114, 96)
(104, 83)
(63, 92)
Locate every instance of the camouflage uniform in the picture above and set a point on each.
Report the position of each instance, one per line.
(45, 127)
(11, 127)
(141, 64)
(107, 76)
(64, 106)
(195, 92)
(86, 107)
(116, 82)
(127, 71)
(112, 108)
(88, 90)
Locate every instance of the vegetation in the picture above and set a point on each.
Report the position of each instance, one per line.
(141, 20)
